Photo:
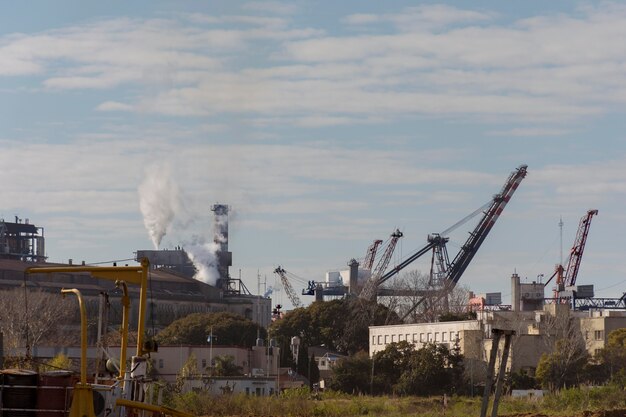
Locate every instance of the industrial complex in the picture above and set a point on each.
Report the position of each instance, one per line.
(539, 312)
(174, 291)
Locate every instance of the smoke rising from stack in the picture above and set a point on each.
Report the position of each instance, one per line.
(163, 206)
(159, 200)
(203, 255)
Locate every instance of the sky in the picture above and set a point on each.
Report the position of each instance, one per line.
(323, 125)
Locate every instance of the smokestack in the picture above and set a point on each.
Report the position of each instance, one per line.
(220, 237)
(515, 292)
(354, 276)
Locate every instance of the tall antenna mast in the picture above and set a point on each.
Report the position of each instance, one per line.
(561, 227)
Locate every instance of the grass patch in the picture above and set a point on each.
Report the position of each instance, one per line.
(301, 403)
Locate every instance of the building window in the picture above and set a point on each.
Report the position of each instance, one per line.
(443, 336)
(451, 336)
(386, 339)
(408, 337)
(160, 363)
(393, 338)
(414, 337)
(598, 335)
(400, 338)
(421, 337)
(373, 340)
(379, 339)
(247, 390)
(596, 352)
(429, 337)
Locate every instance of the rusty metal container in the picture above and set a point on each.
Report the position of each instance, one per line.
(19, 393)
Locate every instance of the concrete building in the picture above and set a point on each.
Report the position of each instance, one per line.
(597, 326)
(536, 333)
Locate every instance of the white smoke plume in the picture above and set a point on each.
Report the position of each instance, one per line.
(163, 205)
(159, 200)
(203, 255)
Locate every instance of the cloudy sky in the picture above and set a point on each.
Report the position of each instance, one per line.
(324, 125)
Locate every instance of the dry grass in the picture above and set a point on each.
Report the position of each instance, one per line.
(300, 403)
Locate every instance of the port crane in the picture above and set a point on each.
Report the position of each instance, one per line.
(450, 272)
(370, 255)
(566, 277)
(295, 300)
(371, 285)
(444, 274)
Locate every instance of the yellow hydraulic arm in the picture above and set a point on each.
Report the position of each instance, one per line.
(137, 275)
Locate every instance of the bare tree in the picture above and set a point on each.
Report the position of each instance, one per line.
(28, 317)
(415, 286)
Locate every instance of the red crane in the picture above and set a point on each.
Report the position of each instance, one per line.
(566, 277)
(370, 255)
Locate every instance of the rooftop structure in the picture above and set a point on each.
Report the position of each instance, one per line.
(22, 241)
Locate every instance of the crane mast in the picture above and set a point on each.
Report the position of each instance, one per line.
(371, 286)
(288, 288)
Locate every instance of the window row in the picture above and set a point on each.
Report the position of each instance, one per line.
(416, 338)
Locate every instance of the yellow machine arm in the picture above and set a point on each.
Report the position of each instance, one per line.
(130, 274)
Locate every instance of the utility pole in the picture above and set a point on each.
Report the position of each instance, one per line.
(497, 334)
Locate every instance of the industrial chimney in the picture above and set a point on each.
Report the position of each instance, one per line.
(515, 292)
(220, 237)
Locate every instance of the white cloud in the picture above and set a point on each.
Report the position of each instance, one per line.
(114, 106)
(422, 18)
(531, 131)
(276, 7)
(534, 70)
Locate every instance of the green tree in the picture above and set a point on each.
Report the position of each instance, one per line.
(352, 374)
(390, 363)
(227, 329)
(521, 380)
(339, 325)
(564, 367)
(431, 370)
(613, 357)
(313, 372)
(225, 366)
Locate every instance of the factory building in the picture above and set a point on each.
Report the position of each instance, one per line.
(22, 241)
(173, 291)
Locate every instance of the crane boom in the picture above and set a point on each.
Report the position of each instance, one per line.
(371, 254)
(371, 286)
(491, 215)
(288, 288)
(576, 253)
(437, 241)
